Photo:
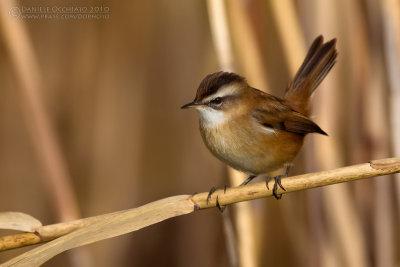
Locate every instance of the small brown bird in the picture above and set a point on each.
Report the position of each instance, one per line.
(255, 132)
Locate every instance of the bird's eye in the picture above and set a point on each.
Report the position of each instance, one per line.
(216, 101)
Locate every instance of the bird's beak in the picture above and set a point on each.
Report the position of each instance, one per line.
(190, 105)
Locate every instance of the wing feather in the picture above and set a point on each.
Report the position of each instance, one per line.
(279, 116)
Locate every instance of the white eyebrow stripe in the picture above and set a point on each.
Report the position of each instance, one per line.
(225, 90)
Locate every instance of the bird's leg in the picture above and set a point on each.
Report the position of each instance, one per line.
(278, 182)
(251, 177)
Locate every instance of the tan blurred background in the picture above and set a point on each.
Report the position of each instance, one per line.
(95, 102)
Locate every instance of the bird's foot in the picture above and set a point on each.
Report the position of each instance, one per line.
(278, 182)
(212, 190)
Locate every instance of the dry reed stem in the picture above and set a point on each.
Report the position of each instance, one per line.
(377, 129)
(344, 225)
(56, 176)
(290, 33)
(368, 82)
(325, 153)
(223, 44)
(220, 34)
(291, 38)
(49, 232)
(300, 182)
(247, 49)
(102, 227)
(249, 224)
(391, 32)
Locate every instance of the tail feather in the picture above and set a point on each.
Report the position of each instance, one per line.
(316, 65)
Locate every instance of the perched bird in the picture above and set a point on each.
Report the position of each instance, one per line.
(255, 132)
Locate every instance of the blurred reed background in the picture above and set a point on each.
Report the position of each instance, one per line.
(90, 124)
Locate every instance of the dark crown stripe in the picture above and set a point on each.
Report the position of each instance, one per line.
(212, 82)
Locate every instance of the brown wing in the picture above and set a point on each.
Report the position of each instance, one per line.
(277, 115)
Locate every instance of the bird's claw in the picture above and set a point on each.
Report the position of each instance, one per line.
(212, 190)
(267, 182)
(221, 208)
(278, 182)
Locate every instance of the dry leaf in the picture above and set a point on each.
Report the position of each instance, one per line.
(18, 221)
(123, 222)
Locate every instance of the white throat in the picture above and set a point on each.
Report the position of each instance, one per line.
(210, 117)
